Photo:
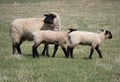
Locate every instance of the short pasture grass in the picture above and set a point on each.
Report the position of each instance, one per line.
(89, 15)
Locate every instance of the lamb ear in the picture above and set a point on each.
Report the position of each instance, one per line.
(71, 30)
(102, 30)
(45, 14)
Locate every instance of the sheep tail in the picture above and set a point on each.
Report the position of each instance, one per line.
(71, 30)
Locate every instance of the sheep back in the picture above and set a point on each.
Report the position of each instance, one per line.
(25, 26)
(85, 38)
(51, 37)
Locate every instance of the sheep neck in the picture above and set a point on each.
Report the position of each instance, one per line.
(102, 36)
(48, 27)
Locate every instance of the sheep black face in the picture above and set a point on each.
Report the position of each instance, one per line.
(49, 18)
(108, 34)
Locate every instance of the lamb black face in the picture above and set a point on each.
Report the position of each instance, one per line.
(110, 35)
(49, 18)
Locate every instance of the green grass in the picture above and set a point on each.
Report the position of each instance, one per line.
(89, 15)
(21, 1)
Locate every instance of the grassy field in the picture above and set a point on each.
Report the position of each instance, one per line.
(89, 15)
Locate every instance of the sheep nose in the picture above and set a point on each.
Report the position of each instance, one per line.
(110, 37)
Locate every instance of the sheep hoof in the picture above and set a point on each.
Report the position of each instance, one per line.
(90, 58)
(53, 56)
(43, 54)
(86, 58)
(67, 56)
(35, 55)
(48, 55)
(101, 57)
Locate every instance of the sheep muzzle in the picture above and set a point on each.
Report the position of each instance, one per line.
(110, 35)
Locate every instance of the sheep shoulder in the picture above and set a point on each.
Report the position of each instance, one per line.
(25, 26)
(28, 22)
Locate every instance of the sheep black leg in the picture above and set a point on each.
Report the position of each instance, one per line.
(34, 51)
(18, 49)
(71, 52)
(55, 50)
(68, 51)
(47, 50)
(43, 53)
(13, 49)
(18, 46)
(65, 52)
(99, 52)
(91, 52)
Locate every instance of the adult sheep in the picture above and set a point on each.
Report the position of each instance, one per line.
(21, 29)
(88, 38)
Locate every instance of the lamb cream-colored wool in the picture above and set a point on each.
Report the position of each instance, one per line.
(21, 29)
(50, 37)
(88, 38)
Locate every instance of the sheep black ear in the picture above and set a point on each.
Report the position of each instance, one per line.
(102, 30)
(45, 14)
(71, 30)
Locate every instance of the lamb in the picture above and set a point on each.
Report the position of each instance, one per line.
(88, 38)
(21, 29)
(50, 37)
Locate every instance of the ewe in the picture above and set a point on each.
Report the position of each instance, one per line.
(21, 29)
(87, 38)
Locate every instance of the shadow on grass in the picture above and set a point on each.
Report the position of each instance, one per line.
(31, 56)
(86, 58)
(27, 55)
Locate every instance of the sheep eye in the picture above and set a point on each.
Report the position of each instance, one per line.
(107, 32)
(51, 17)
